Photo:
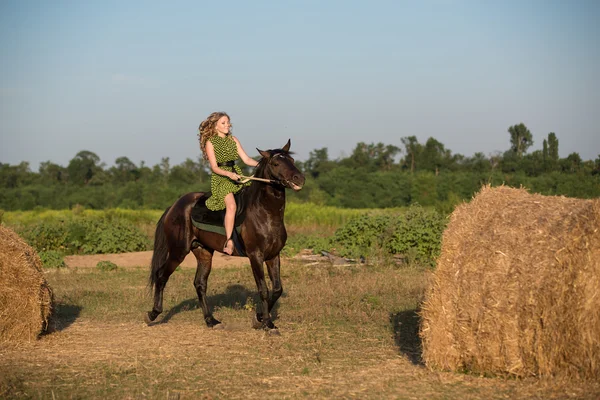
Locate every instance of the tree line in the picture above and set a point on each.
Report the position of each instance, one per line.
(374, 175)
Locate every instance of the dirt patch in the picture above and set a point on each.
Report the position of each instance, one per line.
(143, 258)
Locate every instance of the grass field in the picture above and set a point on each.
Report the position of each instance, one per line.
(301, 216)
(346, 332)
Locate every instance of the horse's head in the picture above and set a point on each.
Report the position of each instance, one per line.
(279, 165)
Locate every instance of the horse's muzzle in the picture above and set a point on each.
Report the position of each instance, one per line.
(296, 183)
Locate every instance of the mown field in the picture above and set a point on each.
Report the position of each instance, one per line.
(346, 332)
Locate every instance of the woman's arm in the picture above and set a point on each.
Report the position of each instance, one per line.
(212, 159)
(245, 158)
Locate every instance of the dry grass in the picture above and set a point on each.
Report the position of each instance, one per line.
(346, 332)
(516, 288)
(25, 297)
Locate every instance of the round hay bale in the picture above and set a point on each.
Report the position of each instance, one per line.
(516, 291)
(25, 297)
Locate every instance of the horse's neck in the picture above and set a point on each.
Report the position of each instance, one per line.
(267, 198)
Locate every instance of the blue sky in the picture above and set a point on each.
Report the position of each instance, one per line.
(135, 78)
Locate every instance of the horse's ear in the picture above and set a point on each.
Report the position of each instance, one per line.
(265, 154)
(286, 148)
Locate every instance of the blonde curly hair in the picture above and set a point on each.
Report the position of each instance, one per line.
(206, 130)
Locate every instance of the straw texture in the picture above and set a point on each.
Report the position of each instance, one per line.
(516, 291)
(25, 297)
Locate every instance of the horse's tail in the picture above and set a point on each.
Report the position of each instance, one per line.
(161, 249)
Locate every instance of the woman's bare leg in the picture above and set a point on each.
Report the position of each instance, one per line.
(230, 208)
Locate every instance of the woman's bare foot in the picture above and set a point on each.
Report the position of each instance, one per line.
(228, 249)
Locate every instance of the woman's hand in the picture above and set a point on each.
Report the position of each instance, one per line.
(234, 177)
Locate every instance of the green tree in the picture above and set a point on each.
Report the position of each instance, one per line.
(318, 162)
(572, 163)
(188, 172)
(83, 167)
(383, 155)
(373, 157)
(413, 150)
(520, 139)
(552, 146)
(510, 161)
(13, 176)
(51, 173)
(552, 152)
(479, 163)
(545, 159)
(124, 171)
(533, 164)
(361, 156)
(434, 156)
(160, 172)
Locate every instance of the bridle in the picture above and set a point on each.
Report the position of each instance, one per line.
(272, 181)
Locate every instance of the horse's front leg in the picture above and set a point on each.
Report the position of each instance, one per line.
(263, 319)
(204, 266)
(273, 267)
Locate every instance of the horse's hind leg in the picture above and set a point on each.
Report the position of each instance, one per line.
(161, 281)
(203, 269)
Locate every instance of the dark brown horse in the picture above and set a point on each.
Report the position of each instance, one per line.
(262, 233)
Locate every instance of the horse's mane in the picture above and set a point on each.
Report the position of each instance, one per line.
(259, 170)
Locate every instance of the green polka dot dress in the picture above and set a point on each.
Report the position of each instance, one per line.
(220, 186)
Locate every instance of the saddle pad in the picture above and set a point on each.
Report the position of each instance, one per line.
(212, 221)
(202, 215)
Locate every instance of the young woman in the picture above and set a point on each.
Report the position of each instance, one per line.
(222, 150)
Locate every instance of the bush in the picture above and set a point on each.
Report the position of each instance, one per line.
(106, 266)
(418, 235)
(46, 236)
(103, 237)
(52, 259)
(362, 235)
(415, 234)
(83, 235)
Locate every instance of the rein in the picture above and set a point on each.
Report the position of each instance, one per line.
(245, 179)
(253, 178)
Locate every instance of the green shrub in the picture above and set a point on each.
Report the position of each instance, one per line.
(83, 235)
(106, 236)
(106, 266)
(362, 235)
(417, 234)
(46, 236)
(52, 259)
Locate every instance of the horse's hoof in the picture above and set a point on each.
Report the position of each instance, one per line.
(256, 324)
(211, 322)
(218, 327)
(268, 326)
(273, 332)
(150, 317)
